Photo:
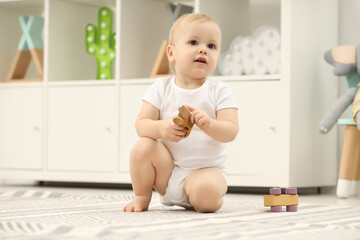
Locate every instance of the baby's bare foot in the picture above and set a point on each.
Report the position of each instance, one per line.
(139, 204)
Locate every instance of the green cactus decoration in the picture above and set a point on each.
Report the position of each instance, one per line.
(100, 42)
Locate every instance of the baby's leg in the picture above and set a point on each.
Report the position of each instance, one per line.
(205, 189)
(151, 165)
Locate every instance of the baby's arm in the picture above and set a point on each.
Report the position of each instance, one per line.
(148, 125)
(223, 129)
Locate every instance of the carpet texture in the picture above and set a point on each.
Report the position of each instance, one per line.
(31, 214)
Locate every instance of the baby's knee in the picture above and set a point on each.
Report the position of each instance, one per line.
(206, 205)
(207, 198)
(142, 148)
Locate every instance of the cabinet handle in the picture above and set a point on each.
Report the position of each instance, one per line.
(36, 128)
(272, 128)
(108, 129)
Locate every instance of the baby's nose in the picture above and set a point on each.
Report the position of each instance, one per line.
(203, 50)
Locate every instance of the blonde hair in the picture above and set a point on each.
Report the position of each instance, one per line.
(186, 18)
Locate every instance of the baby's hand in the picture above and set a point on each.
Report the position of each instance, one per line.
(170, 131)
(199, 117)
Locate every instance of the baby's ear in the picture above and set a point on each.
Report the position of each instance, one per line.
(343, 58)
(170, 53)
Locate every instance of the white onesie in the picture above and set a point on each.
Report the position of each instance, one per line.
(198, 150)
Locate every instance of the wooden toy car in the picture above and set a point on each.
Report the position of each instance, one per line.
(276, 200)
(183, 120)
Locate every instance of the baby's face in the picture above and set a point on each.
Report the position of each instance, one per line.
(196, 49)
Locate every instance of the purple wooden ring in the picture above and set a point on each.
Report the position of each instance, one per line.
(291, 208)
(291, 190)
(276, 208)
(275, 191)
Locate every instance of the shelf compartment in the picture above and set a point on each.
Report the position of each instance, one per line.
(237, 18)
(10, 26)
(144, 25)
(67, 56)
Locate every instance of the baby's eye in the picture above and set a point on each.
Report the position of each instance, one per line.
(212, 46)
(193, 42)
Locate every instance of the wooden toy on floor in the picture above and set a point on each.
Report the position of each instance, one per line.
(276, 200)
(183, 119)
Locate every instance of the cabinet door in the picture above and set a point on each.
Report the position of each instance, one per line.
(130, 105)
(255, 152)
(81, 128)
(21, 128)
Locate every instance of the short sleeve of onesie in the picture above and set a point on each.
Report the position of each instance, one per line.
(224, 97)
(153, 94)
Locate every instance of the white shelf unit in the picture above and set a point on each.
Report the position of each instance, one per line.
(84, 128)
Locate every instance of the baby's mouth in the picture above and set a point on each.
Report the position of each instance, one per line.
(201, 60)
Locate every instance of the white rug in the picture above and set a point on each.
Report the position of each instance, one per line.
(53, 215)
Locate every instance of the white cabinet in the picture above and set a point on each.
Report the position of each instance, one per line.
(130, 104)
(255, 152)
(81, 128)
(21, 128)
(87, 127)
